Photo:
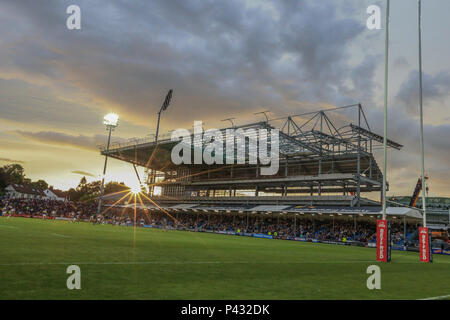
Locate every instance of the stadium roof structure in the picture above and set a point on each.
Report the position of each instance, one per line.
(367, 211)
(321, 155)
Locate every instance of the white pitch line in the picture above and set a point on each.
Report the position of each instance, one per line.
(168, 262)
(60, 235)
(437, 298)
(11, 227)
(108, 263)
(193, 263)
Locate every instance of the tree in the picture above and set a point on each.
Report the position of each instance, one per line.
(15, 173)
(113, 187)
(3, 180)
(90, 191)
(82, 186)
(73, 194)
(40, 185)
(94, 187)
(11, 174)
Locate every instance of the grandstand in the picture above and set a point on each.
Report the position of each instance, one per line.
(438, 209)
(326, 164)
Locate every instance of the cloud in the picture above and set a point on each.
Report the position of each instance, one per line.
(401, 63)
(84, 173)
(436, 90)
(233, 56)
(405, 165)
(11, 160)
(58, 138)
(223, 59)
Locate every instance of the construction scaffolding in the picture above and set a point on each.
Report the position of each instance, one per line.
(319, 155)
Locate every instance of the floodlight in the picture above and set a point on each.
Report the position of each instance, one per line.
(163, 107)
(167, 100)
(111, 120)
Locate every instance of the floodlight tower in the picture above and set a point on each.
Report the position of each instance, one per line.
(163, 107)
(111, 121)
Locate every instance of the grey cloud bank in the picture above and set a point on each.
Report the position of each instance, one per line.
(223, 58)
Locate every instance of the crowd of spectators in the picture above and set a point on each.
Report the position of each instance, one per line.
(48, 208)
(307, 227)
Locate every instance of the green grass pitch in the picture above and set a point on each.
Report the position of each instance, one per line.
(123, 263)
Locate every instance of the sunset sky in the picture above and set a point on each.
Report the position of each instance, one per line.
(223, 59)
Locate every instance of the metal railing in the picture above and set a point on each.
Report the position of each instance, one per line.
(135, 141)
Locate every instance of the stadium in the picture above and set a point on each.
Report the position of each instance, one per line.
(285, 204)
(194, 221)
(326, 165)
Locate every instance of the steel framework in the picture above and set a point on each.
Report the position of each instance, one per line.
(319, 154)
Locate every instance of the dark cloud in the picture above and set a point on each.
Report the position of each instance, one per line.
(84, 173)
(220, 57)
(361, 83)
(401, 62)
(11, 160)
(436, 88)
(405, 165)
(58, 138)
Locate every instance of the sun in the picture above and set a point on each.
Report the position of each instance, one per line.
(135, 189)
